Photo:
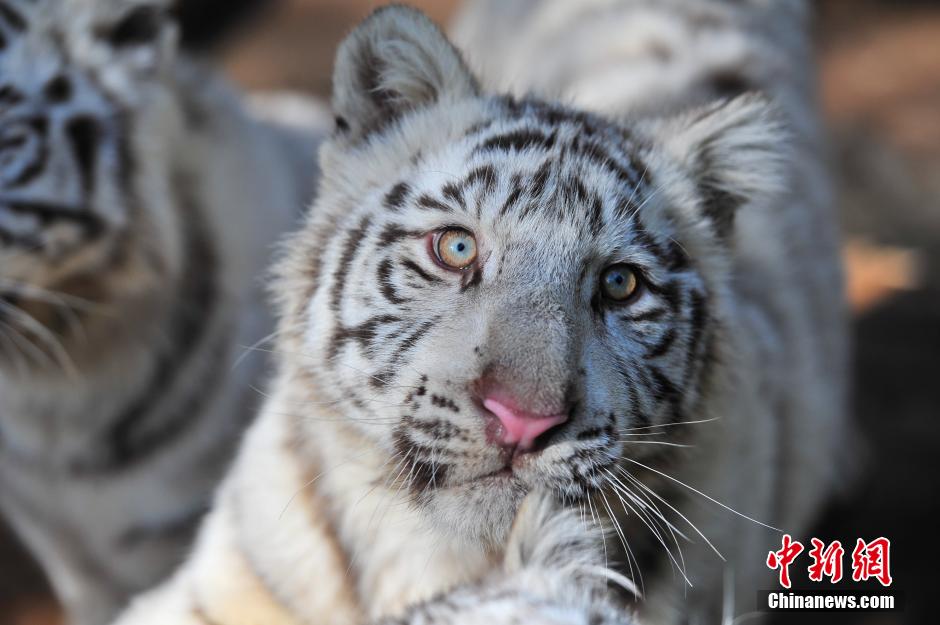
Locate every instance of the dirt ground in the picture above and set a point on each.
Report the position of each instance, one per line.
(880, 66)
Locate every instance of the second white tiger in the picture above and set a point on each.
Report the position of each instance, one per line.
(138, 207)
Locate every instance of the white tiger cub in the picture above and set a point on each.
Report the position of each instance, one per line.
(497, 294)
(138, 205)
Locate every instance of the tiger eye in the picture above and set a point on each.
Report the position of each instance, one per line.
(455, 248)
(619, 283)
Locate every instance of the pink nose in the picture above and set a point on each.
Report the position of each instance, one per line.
(520, 429)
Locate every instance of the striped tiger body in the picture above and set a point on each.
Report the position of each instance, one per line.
(138, 203)
(498, 294)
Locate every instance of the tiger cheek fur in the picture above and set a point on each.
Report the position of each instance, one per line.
(552, 198)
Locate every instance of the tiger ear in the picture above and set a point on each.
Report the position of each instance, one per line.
(737, 151)
(396, 61)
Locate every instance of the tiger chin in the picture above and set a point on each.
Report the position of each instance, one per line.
(138, 205)
(494, 295)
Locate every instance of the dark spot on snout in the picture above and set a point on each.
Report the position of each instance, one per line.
(84, 133)
(58, 90)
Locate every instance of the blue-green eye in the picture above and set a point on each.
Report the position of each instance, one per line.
(619, 283)
(455, 248)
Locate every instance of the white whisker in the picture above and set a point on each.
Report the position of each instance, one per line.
(643, 486)
(667, 444)
(666, 425)
(698, 492)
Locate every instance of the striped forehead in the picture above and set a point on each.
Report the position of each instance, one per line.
(39, 72)
(531, 164)
(37, 32)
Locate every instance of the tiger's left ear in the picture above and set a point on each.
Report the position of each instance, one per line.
(736, 150)
(394, 62)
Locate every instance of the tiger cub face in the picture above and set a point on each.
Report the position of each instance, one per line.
(495, 291)
(82, 193)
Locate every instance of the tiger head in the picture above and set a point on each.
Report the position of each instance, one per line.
(500, 293)
(83, 165)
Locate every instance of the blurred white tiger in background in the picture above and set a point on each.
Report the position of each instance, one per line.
(138, 206)
(496, 294)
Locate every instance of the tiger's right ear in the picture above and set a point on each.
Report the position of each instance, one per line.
(394, 62)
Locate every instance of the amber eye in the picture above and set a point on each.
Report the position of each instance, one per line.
(455, 248)
(619, 283)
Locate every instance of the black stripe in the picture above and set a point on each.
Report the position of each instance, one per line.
(58, 90)
(395, 198)
(697, 320)
(83, 133)
(632, 385)
(667, 392)
(597, 215)
(364, 334)
(640, 417)
(670, 292)
(28, 242)
(517, 140)
(513, 197)
(540, 178)
(678, 259)
(471, 280)
(423, 473)
(390, 372)
(354, 239)
(426, 474)
(654, 314)
(575, 189)
(48, 213)
(454, 193)
(485, 175)
(12, 17)
(12, 143)
(437, 429)
(393, 233)
(410, 341)
(39, 126)
(597, 154)
(729, 84)
(383, 275)
(718, 204)
(10, 96)
(663, 345)
(648, 241)
(426, 201)
(416, 269)
(145, 425)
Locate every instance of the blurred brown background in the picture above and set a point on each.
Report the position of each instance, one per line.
(880, 73)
